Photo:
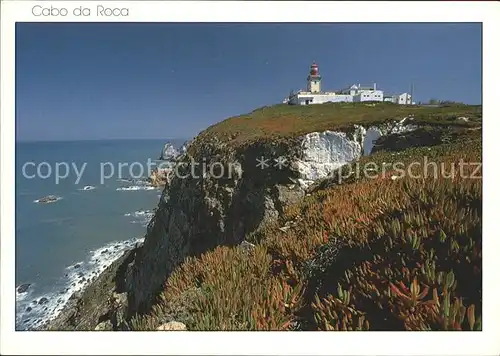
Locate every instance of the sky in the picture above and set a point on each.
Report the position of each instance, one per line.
(80, 81)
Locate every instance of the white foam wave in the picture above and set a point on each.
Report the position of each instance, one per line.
(124, 180)
(143, 216)
(33, 311)
(22, 296)
(139, 213)
(137, 187)
(136, 181)
(87, 187)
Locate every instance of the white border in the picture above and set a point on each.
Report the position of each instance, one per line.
(317, 343)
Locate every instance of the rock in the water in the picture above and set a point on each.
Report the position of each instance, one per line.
(23, 288)
(28, 309)
(169, 152)
(172, 326)
(77, 265)
(43, 300)
(47, 199)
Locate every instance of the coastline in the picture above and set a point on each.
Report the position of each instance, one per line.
(96, 301)
(80, 310)
(78, 277)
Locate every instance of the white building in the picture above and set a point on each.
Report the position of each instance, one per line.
(363, 93)
(404, 99)
(355, 93)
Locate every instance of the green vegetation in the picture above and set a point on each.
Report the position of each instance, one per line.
(381, 252)
(289, 120)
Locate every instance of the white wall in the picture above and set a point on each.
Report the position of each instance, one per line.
(404, 98)
(371, 95)
(301, 99)
(366, 95)
(304, 99)
(343, 98)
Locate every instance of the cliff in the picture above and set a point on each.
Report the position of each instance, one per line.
(267, 206)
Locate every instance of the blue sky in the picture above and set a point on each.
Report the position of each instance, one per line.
(107, 81)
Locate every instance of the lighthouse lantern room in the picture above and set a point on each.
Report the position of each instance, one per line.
(314, 79)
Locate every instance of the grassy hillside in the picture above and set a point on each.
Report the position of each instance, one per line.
(288, 120)
(397, 247)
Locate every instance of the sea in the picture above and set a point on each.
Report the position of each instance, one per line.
(100, 205)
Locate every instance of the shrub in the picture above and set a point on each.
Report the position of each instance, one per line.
(237, 291)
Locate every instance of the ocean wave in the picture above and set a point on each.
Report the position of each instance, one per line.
(124, 180)
(142, 181)
(87, 187)
(34, 310)
(143, 216)
(136, 181)
(140, 213)
(137, 187)
(21, 293)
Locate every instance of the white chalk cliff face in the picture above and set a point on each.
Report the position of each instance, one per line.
(324, 152)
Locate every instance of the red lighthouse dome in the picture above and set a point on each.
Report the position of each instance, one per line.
(314, 69)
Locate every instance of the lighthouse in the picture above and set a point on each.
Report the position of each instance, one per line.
(314, 79)
(354, 93)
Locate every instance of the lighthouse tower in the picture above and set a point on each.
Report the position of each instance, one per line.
(314, 79)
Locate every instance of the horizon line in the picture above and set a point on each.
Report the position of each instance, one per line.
(100, 139)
